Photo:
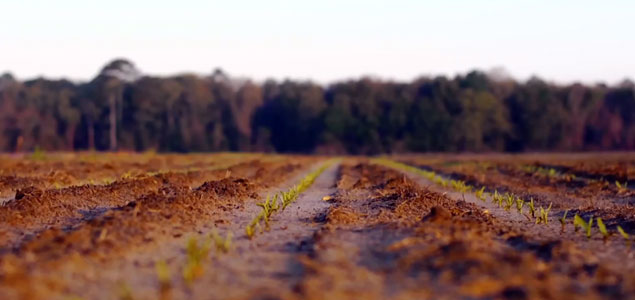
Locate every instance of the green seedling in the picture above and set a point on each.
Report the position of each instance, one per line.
(588, 228)
(444, 183)
(461, 187)
(281, 200)
(38, 154)
(622, 232)
(544, 215)
(163, 275)
(621, 188)
(532, 208)
(519, 205)
(602, 228)
(509, 201)
(579, 222)
(563, 220)
(479, 194)
(196, 254)
(265, 206)
(539, 218)
(222, 244)
(249, 231)
(625, 235)
(495, 197)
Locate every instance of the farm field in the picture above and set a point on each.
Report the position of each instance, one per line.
(263, 226)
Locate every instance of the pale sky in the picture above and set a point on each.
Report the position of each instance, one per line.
(325, 41)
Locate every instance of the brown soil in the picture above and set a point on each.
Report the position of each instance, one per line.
(361, 231)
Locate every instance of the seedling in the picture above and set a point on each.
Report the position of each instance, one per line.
(163, 275)
(38, 154)
(249, 231)
(194, 261)
(497, 198)
(539, 218)
(222, 244)
(279, 202)
(444, 183)
(602, 228)
(584, 225)
(621, 188)
(519, 205)
(624, 235)
(460, 186)
(532, 208)
(577, 222)
(622, 232)
(509, 201)
(588, 228)
(479, 194)
(544, 215)
(563, 220)
(265, 207)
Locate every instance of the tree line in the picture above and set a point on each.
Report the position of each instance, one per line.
(121, 109)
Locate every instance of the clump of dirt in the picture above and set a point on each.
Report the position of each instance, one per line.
(28, 191)
(437, 214)
(337, 215)
(233, 187)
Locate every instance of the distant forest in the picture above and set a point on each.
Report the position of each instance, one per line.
(121, 109)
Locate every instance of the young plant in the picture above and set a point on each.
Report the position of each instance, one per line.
(563, 220)
(602, 228)
(579, 222)
(621, 188)
(532, 208)
(281, 200)
(222, 244)
(163, 275)
(588, 228)
(479, 194)
(509, 201)
(624, 235)
(195, 255)
(444, 183)
(460, 186)
(266, 208)
(539, 218)
(249, 231)
(498, 199)
(519, 205)
(544, 215)
(38, 154)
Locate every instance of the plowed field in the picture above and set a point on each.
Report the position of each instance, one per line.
(256, 226)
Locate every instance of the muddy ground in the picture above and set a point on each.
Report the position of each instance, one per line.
(154, 226)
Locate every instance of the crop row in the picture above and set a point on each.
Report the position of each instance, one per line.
(507, 201)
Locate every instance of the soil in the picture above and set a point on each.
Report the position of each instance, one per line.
(362, 230)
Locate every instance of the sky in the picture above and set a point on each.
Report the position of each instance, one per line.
(562, 41)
